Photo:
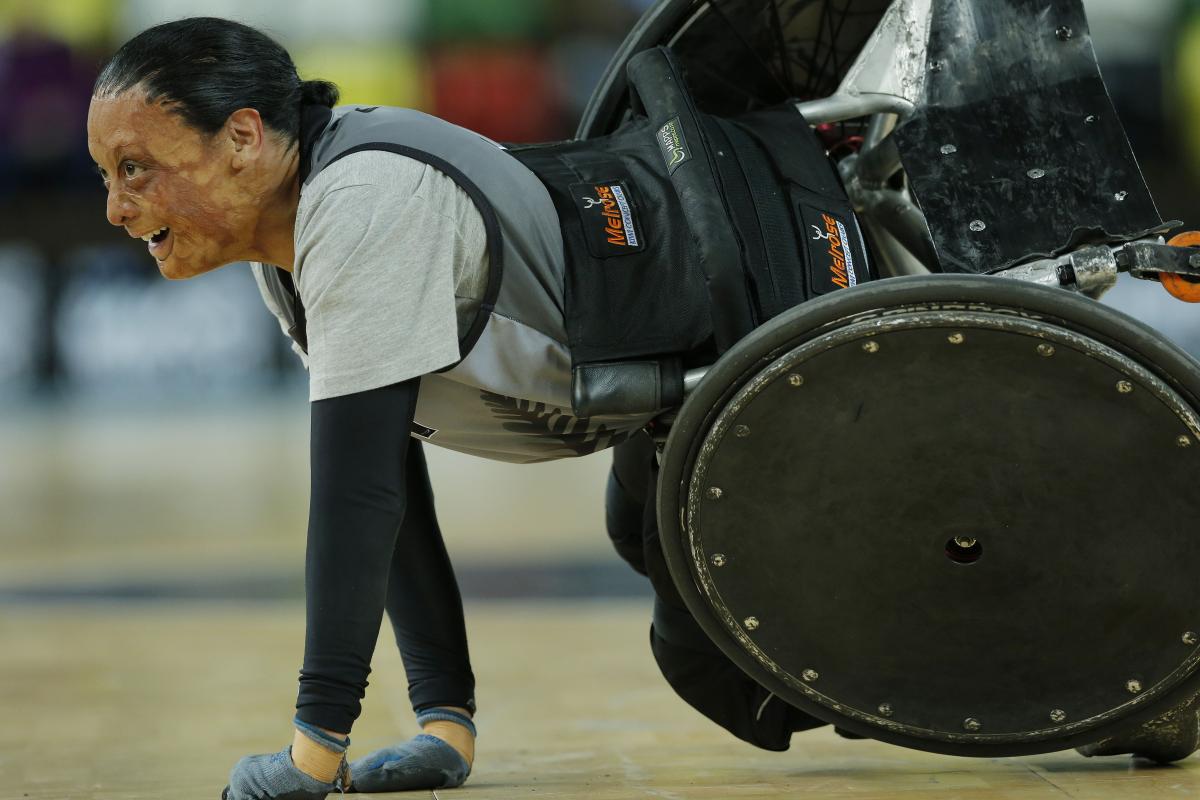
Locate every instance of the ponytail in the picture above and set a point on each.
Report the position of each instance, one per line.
(318, 93)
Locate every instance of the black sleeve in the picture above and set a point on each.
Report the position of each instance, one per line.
(359, 494)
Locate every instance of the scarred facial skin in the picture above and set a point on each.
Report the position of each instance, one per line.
(223, 198)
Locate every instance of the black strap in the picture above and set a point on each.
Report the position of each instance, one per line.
(658, 81)
(313, 121)
(299, 329)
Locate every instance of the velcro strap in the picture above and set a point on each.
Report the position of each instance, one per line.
(326, 740)
(445, 715)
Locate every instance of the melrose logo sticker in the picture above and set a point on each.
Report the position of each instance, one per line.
(830, 250)
(610, 223)
(673, 145)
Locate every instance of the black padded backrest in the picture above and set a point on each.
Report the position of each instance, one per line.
(658, 83)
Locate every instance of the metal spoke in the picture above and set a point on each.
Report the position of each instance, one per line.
(750, 48)
(752, 100)
(814, 75)
(833, 48)
(785, 65)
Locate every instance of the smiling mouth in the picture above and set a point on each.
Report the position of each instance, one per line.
(160, 244)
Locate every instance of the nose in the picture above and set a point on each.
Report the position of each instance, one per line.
(118, 208)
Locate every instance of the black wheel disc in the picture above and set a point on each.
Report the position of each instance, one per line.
(952, 513)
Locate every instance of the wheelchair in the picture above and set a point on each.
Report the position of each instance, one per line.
(947, 507)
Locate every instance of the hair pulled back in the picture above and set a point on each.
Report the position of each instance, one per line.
(206, 68)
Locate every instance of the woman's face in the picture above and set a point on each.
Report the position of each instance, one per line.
(172, 185)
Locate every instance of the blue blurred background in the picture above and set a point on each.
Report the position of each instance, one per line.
(153, 435)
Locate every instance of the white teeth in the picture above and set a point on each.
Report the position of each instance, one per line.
(152, 234)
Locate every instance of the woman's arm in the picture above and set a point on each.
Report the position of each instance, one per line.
(360, 490)
(359, 446)
(424, 604)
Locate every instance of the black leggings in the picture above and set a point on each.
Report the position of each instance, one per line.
(694, 667)
(374, 542)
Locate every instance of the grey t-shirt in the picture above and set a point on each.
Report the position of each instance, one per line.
(388, 250)
(391, 264)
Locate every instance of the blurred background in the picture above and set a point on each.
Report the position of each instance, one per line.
(153, 435)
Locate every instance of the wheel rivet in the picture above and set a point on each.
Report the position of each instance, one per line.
(715, 493)
(1058, 715)
(956, 338)
(1036, 173)
(948, 149)
(1046, 350)
(871, 347)
(972, 724)
(809, 675)
(1133, 685)
(796, 380)
(1189, 637)
(885, 709)
(751, 623)
(1124, 387)
(977, 225)
(717, 560)
(741, 431)
(1184, 441)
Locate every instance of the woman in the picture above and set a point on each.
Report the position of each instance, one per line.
(384, 265)
(195, 127)
(379, 238)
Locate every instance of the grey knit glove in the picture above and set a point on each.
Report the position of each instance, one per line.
(424, 762)
(275, 777)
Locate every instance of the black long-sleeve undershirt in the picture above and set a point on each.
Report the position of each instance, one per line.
(374, 542)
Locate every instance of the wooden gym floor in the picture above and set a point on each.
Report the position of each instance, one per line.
(124, 702)
(151, 628)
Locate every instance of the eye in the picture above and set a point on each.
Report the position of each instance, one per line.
(130, 170)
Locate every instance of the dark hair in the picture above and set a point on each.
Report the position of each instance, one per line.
(206, 68)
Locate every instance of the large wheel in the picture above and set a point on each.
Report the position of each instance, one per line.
(954, 513)
(740, 55)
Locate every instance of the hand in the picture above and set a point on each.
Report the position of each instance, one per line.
(275, 777)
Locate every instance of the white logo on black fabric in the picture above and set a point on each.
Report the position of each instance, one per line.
(672, 144)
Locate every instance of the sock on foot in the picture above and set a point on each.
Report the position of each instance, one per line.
(424, 762)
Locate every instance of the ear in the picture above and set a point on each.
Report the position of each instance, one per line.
(244, 135)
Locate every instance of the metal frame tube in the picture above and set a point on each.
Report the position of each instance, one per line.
(839, 107)
(875, 166)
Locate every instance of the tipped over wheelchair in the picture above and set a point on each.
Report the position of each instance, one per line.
(913, 480)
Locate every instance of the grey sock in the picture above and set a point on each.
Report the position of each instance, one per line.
(423, 762)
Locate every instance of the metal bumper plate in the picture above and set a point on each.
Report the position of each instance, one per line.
(961, 527)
